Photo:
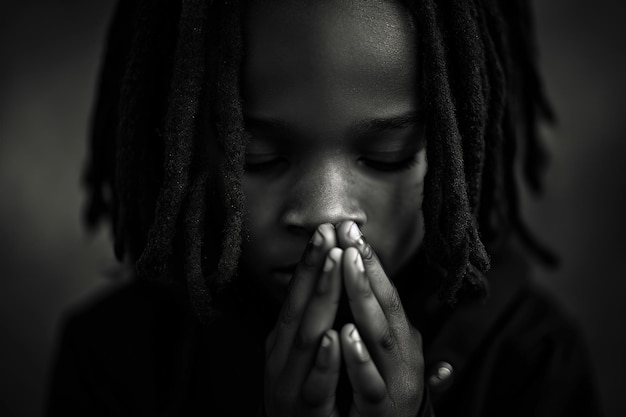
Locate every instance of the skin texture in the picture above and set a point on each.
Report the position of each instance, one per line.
(331, 104)
(330, 93)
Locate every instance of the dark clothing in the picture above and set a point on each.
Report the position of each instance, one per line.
(140, 351)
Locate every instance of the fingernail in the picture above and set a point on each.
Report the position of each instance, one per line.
(326, 341)
(329, 264)
(323, 355)
(317, 238)
(358, 261)
(354, 233)
(357, 236)
(323, 283)
(359, 347)
(364, 248)
(354, 335)
(325, 280)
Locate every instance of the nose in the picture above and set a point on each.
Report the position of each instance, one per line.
(323, 193)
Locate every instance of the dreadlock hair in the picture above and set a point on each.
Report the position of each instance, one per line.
(159, 170)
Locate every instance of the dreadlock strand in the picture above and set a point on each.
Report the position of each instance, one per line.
(180, 128)
(477, 92)
(457, 207)
(526, 102)
(533, 104)
(467, 67)
(472, 92)
(444, 132)
(500, 217)
(131, 137)
(491, 216)
(199, 291)
(432, 205)
(230, 128)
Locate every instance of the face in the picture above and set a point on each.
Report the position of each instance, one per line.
(330, 101)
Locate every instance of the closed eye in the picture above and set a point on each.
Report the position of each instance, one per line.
(257, 164)
(383, 165)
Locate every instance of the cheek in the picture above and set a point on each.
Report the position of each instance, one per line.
(260, 215)
(395, 225)
(399, 234)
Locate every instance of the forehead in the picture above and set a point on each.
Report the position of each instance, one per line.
(378, 24)
(311, 49)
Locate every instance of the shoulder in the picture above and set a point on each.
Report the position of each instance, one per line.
(536, 354)
(535, 321)
(109, 348)
(526, 327)
(519, 313)
(121, 325)
(127, 305)
(525, 318)
(536, 340)
(126, 313)
(519, 347)
(522, 323)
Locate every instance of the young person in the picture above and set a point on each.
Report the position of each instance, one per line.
(318, 201)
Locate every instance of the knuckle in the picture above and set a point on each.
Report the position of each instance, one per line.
(386, 340)
(289, 314)
(365, 291)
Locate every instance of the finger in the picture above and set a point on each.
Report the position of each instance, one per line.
(320, 312)
(370, 395)
(301, 287)
(349, 235)
(367, 312)
(319, 388)
(318, 317)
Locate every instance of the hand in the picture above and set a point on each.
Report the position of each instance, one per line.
(302, 352)
(382, 350)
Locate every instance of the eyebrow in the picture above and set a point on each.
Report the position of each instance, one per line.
(386, 124)
(363, 127)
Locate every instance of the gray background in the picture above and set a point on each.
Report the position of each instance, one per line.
(49, 52)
